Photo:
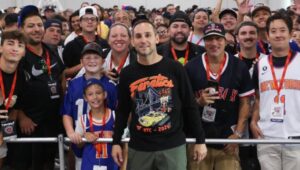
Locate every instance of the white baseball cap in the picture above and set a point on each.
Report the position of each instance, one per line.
(88, 10)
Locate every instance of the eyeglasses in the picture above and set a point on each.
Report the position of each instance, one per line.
(162, 32)
(94, 19)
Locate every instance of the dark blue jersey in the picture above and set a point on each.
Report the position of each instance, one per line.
(234, 83)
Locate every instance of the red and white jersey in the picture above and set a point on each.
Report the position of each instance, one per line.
(289, 97)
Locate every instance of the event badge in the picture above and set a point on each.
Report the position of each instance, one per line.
(209, 114)
(8, 127)
(277, 112)
(52, 85)
(97, 167)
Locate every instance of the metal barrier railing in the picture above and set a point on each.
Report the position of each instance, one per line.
(61, 139)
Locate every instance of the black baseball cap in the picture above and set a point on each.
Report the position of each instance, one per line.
(227, 11)
(94, 48)
(258, 8)
(180, 16)
(52, 23)
(27, 10)
(214, 29)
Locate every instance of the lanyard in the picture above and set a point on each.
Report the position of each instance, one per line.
(261, 45)
(191, 39)
(241, 56)
(11, 90)
(121, 64)
(85, 40)
(48, 61)
(186, 55)
(219, 71)
(278, 88)
(98, 146)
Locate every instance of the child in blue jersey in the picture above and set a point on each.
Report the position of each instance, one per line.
(97, 123)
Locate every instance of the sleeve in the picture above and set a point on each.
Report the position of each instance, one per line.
(80, 125)
(190, 108)
(255, 77)
(123, 108)
(246, 86)
(68, 104)
(67, 54)
(112, 96)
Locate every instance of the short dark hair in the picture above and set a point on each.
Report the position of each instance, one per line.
(143, 21)
(280, 15)
(15, 35)
(30, 15)
(245, 23)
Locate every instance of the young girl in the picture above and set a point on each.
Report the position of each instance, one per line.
(97, 123)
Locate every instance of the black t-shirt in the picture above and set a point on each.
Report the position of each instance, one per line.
(19, 87)
(159, 98)
(37, 103)
(248, 61)
(72, 51)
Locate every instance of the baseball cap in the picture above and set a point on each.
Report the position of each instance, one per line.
(88, 10)
(93, 81)
(227, 11)
(52, 23)
(50, 8)
(180, 16)
(214, 29)
(25, 11)
(92, 47)
(258, 7)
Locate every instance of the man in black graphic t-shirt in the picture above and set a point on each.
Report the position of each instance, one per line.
(157, 92)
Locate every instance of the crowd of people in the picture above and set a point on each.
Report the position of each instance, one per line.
(157, 76)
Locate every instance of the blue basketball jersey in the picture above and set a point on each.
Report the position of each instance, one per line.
(90, 156)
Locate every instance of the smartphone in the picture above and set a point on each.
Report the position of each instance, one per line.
(214, 85)
(116, 73)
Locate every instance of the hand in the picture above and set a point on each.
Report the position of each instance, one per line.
(75, 138)
(90, 137)
(27, 125)
(243, 6)
(256, 132)
(111, 75)
(231, 148)
(207, 98)
(117, 155)
(199, 152)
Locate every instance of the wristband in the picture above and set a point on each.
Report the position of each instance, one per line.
(237, 133)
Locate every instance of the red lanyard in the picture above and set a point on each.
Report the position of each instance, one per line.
(261, 45)
(11, 90)
(241, 56)
(283, 73)
(98, 146)
(186, 55)
(191, 39)
(121, 64)
(85, 40)
(219, 71)
(48, 61)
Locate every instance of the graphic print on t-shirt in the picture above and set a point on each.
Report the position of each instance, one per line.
(153, 100)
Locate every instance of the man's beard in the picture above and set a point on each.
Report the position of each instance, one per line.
(179, 41)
